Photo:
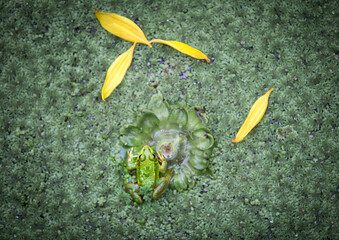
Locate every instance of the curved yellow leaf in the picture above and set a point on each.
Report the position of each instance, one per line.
(116, 72)
(121, 27)
(254, 116)
(184, 48)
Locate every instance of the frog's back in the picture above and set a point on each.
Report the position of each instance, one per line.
(148, 173)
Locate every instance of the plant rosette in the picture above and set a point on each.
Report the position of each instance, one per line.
(176, 131)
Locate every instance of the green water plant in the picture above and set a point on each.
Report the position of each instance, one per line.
(177, 132)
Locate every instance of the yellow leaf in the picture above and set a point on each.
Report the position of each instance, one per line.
(121, 27)
(116, 72)
(184, 48)
(254, 116)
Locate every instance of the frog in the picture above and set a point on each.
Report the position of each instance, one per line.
(145, 169)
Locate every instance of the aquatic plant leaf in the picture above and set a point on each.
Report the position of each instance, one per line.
(159, 107)
(179, 181)
(183, 178)
(201, 153)
(194, 121)
(116, 72)
(132, 136)
(178, 115)
(198, 162)
(122, 27)
(199, 159)
(147, 122)
(190, 173)
(254, 116)
(202, 139)
(184, 48)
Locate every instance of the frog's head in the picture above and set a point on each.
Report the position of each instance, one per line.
(147, 153)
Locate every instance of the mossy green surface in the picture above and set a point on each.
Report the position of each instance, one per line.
(57, 136)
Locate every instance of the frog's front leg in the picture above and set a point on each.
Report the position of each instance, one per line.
(131, 164)
(133, 190)
(163, 163)
(162, 184)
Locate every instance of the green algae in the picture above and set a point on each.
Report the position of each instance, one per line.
(57, 176)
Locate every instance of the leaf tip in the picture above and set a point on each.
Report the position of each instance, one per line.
(235, 140)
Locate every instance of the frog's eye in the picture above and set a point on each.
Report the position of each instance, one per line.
(152, 156)
(142, 157)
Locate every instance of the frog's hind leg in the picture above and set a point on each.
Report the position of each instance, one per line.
(162, 184)
(133, 190)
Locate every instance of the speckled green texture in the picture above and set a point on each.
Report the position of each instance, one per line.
(57, 137)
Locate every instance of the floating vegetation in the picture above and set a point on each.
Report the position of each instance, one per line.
(177, 132)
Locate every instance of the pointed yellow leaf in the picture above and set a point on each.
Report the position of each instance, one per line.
(121, 27)
(116, 72)
(254, 116)
(184, 48)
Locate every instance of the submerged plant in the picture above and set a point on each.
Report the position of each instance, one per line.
(175, 131)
